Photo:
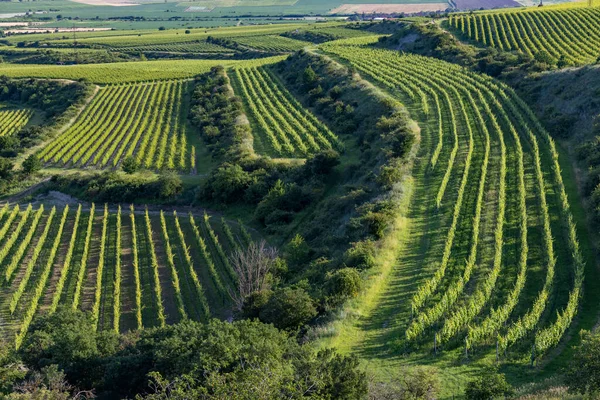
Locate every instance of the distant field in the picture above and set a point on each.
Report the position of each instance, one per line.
(126, 71)
(388, 8)
(271, 43)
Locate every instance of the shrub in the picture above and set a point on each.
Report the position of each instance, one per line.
(344, 284)
(361, 255)
(288, 309)
(583, 375)
(32, 164)
(322, 163)
(130, 165)
(169, 185)
(488, 385)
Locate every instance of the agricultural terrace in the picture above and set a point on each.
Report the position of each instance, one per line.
(130, 268)
(481, 268)
(570, 35)
(143, 38)
(270, 43)
(281, 125)
(142, 71)
(188, 47)
(146, 121)
(11, 120)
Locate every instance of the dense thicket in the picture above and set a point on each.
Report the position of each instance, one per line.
(244, 359)
(54, 97)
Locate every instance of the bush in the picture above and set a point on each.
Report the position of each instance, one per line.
(343, 284)
(583, 375)
(322, 163)
(32, 164)
(361, 255)
(130, 165)
(288, 309)
(489, 385)
(169, 185)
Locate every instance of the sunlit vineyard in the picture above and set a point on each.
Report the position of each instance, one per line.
(142, 71)
(129, 267)
(270, 43)
(282, 127)
(188, 47)
(11, 120)
(568, 34)
(146, 121)
(491, 273)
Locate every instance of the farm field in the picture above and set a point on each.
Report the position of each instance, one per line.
(569, 35)
(271, 43)
(11, 120)
(423, 203)
(194, 47)
(283, 127)
(145, 121)
(490, 206)
(129, 267)
(111, 73)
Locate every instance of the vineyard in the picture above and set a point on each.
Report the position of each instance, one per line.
(490, 185)
(270, 43)
(145, 121)
(570, 35)
(192, 47)
(11, 120)
(130, 268)
(282, 126)
(122, 72)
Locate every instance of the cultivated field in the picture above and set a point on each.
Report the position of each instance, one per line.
(389, 8)
(282, 127)
(568, 34)
(146, 121)
(490, 206)
(142, 71)
(11, 120)
(130, 268)
(271, 43)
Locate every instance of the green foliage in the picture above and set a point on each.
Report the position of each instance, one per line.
(361, 255)
(32, 164)
(69, 340)
(583, 373)
(489, 385)
(169, 185)
(130, 165)
(288, 309)
(344, 284)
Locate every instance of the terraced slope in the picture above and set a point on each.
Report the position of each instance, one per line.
(129, 268)
(145, 121)
(14, 119)
(481, 267)
(282, 127)
(571, 35)
(270, 43)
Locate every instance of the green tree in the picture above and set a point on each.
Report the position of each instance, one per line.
(344, 283)
(583, 375)
(130, 165)
(169, 185)
(32, 164)
(489, 385)
(288, 309)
